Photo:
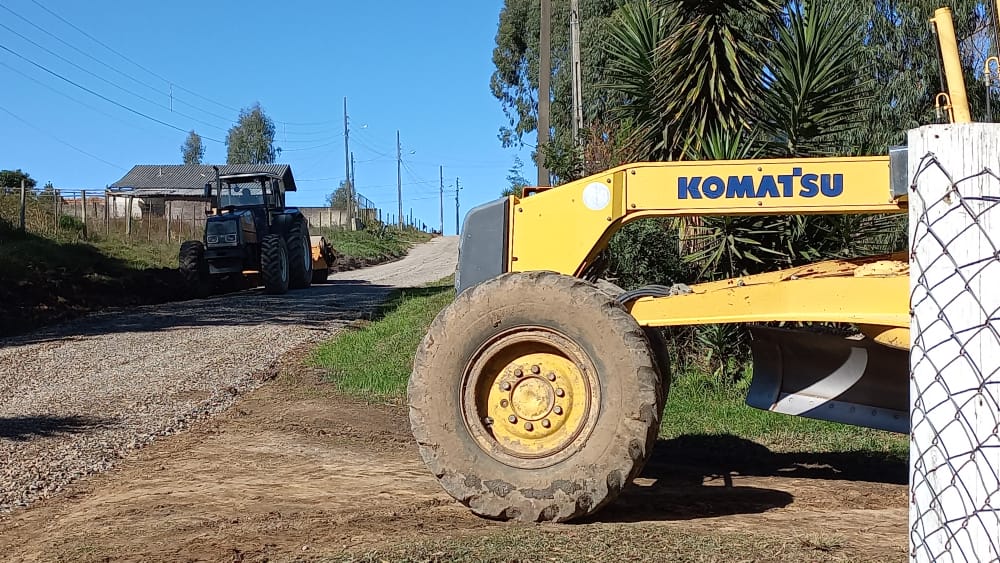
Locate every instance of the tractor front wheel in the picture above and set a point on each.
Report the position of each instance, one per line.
(534, 397)
(274, 264)
(193, 267)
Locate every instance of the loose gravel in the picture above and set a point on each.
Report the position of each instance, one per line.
(76, 398)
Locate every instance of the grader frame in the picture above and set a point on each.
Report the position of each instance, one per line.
(537, 394)
(565, 230)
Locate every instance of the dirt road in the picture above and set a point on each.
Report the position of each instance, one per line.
(295, 471)
(76, 397)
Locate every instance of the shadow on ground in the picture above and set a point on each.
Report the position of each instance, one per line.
(43, 281)
(692, 477)
(312, 307)
(21, 428)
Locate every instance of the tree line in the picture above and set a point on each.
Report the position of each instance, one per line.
(249, 141)
(668, 80)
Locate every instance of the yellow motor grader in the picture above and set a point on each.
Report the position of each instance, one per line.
(537, 394)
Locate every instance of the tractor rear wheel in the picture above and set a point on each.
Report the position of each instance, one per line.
(193, 267)
(321, 276)
(299, 255)
(534, 397)
(274, 264)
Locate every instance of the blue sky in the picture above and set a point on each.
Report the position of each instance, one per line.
(420, 67)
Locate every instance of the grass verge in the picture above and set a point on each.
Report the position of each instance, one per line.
(701, 405)
(44, 279)
(375, 360)
(372, 245)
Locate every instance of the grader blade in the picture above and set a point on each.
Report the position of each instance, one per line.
(852, 381)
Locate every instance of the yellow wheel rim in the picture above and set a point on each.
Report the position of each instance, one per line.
(530, 396)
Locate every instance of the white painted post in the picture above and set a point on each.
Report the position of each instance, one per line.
(955, 343)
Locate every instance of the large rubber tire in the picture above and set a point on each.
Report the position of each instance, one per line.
(299, 255)
(601, 460)
(274, 264)
(194, 268)
(656, 341)
(321, 276)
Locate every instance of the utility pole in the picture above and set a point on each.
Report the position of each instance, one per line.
(544, 75)
(458, 224)
(399, 177)
(574, 32)
(354, 193)
(442, 200)
(347, 171)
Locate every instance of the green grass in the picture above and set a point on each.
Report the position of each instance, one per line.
(375, 360)
(699, 404)
(374, 244)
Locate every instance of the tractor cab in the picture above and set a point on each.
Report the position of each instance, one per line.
(251, 234)
(243, 210)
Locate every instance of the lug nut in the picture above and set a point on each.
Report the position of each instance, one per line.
(546, 423)
(518, 373)
(560, 393)
(512, 419)
(552, 376)
(536, 370)
(504, 403)
(557, 409)
(505, 386)
(529, 426)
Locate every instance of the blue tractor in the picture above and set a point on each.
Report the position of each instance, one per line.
(250, 232)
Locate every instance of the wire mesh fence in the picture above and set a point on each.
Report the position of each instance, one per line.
(96, 213)
(955, 360)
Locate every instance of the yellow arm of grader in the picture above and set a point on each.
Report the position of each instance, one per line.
(872, 293)
(564, 229)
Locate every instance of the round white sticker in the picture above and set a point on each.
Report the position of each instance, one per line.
(596, 196)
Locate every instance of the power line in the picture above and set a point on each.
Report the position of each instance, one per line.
(99, 95)
(101, 78)
(57, 139)
(67, 96)
(371, 148)
(460, 164)
(151, 72)
(311, 148)
(416, 181)
(143, 83)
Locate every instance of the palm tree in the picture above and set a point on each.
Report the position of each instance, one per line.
(739, 79)
(686, 67)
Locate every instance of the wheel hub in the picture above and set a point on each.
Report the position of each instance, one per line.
(532, 399)
(534, 396)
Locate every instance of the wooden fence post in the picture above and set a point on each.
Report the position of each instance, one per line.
(167, 213)
(21, 223)
(128, 218)
(107, 213)
(83, 207)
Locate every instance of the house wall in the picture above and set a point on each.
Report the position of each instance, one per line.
(335, 218)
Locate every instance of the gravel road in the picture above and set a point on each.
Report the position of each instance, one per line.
(77, 397)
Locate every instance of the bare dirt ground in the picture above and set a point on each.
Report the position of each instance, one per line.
(295, 471)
